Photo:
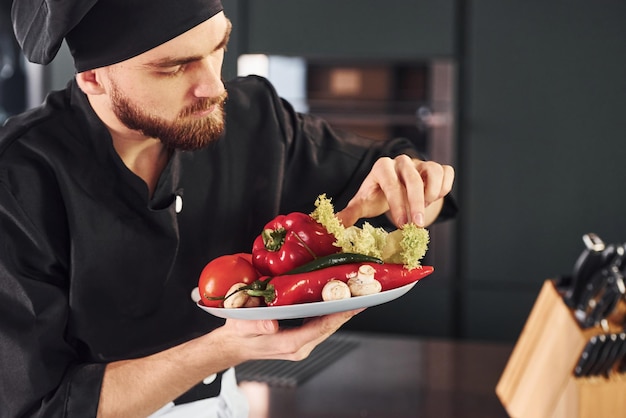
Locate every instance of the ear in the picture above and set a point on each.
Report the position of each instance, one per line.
(89, 82)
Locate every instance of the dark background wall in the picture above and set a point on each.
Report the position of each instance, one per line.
(542, 148)
(541, 92)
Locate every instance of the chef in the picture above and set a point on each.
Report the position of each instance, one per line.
(117, 190)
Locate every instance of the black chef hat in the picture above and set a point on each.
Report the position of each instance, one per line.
(103, 32)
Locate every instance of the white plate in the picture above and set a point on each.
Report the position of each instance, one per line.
(307, 310)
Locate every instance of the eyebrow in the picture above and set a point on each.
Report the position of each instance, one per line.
(174, 61)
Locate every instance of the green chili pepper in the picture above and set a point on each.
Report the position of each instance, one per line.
(334, 260)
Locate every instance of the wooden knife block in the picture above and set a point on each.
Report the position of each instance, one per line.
(538, 380)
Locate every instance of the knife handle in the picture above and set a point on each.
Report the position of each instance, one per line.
(606, 356)
(595, 274)
(589, 261)
(585, 360)
(593, 242)
(603, 300)
(618, 354)
(621, 358)
(603, 290)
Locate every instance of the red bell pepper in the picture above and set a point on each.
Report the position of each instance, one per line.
(289, 241)
(307, 287)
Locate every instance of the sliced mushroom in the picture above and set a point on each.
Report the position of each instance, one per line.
(364, 283)
(335, 290)
(236, 298)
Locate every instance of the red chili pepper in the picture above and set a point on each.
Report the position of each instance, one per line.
(392, 276)
(289, 241)
(307, 287)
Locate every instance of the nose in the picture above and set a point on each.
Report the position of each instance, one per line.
(209, 79)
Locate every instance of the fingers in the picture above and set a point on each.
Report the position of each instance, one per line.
(448, 180)
(405, 193)
(372, 197)
(359, 208)
(349, 215)
(403, 186)
(264, 339)
(438, 180)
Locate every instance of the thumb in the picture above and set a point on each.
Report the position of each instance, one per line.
(349, 215)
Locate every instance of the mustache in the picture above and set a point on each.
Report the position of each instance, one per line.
(204, 104)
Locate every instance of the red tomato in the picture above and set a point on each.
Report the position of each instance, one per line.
(222, 273)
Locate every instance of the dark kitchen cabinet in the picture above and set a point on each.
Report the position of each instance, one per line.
(351, 28)
(361, 29)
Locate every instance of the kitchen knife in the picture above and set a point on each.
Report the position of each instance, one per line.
(588, 356)
(594, 288)
(596, 355)
(621, 358)
(605, 304)
(589, 261)
(616, 355)
(606, 356)
(603, 290)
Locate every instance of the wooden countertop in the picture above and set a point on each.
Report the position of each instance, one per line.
(387, 376)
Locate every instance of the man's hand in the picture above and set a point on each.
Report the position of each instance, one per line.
(265, 340)
(411, 190)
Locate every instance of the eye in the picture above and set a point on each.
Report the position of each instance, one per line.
(171, 71)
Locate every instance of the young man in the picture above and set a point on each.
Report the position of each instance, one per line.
(119, 189)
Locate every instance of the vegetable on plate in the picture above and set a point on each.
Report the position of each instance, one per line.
(335, 290)
(222, 273)
(236, 299)
(364, 283)
(289, 241)
(300, 258)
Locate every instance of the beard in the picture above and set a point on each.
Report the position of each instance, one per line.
(185, 133)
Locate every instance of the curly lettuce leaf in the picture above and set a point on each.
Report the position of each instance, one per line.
(324, 214)
(366, 240)
(406, 246)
